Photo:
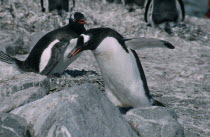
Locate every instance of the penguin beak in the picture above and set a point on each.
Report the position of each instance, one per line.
(82, 21)
(74, 52)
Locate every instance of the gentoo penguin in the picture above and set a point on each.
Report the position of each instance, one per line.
(49, 51)
(56, 5)
(124, 78)
(164, 13)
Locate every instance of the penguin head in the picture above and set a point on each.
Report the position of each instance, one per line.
(92, 38)
(77, 18)
(84, 42)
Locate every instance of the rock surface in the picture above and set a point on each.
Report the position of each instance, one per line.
(13, 126)
(11, 84)
(22, 97)
(78, 111)
(155, 122)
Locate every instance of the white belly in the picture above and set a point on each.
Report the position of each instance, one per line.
(46, 55)
(121, 74)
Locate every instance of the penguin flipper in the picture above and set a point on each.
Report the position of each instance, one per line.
(7, 58)
(146, 5)
(142, 42)
(56, 50)
(181, 9)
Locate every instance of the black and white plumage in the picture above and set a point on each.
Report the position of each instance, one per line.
(50, 50)
(164, 13)
(124, 79)
(50, 5)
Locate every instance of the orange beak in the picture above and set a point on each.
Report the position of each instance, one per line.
(74, 52)
(82, 21)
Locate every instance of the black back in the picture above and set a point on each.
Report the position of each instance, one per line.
(99, 34)
(164, 10)
(58, 5)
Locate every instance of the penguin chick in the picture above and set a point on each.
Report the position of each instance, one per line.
(49, 51)
(124, 78)
(164, 14)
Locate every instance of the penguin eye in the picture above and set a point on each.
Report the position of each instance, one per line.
(73, 17)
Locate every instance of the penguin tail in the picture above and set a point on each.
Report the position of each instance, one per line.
(158, 103)
(7, 58)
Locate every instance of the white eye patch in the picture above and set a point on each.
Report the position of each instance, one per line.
(86, 38)
(72, 17)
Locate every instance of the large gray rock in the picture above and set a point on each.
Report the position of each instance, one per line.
(78, 111)
(22, 97)
(155, 122)
(12, 84)
(13, 126)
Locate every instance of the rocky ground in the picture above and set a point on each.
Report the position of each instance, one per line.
(179, 77)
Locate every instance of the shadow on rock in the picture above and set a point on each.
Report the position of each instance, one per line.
(79, 73)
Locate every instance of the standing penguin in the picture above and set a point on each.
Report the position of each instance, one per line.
(164, 13)
(124, 79)
(48, 55)
(56, 5)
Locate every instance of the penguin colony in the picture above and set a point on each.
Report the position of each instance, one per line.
(124, 78)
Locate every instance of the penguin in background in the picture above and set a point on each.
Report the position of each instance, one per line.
(164, 14)
(49, 55)
(124, 78)
(58, 5)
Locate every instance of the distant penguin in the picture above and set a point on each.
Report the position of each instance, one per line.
(59, 5)
(48, 55)
(124, 78)
(164, 13)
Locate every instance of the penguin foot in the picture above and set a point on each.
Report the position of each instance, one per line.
(168, 30)
(43, 9)
(131, 9)
(123, 110)
(55, 75)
